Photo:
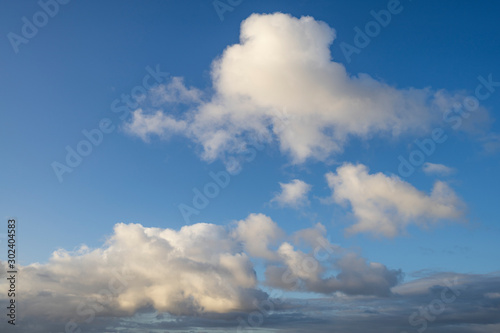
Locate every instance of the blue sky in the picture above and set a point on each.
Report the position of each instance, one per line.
(430, 55)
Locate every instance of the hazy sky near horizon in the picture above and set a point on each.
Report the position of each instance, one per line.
(275, 165)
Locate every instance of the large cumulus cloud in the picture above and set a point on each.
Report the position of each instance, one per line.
(279, 83)
(199, 269)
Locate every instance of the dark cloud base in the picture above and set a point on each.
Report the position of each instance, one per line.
(471, 303)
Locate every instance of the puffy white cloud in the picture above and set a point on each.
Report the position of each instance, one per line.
(329, 269)
(293, 194)
(199, 269)
(279, 83)
(258, 232)
(440, 169)
(323, 268)
(314, 238)
(385, 205)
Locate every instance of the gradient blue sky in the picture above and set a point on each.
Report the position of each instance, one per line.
(66, 77)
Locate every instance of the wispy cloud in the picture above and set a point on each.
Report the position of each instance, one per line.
(143, 125)
(439, 169)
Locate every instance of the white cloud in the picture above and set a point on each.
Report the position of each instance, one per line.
(312, 272)
(293, 194)
(201, 268)
(196, 269)
(440, 169)
(385, 205)
(258, 232)
(143, 125)
(175, 92)
(314, 237)
(281, 84)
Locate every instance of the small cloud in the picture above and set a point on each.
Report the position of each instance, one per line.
(174, 91)
(386, 205)
(491, 143)
(143, 125)
(293, 194)
(437, 169)
(492, 295)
